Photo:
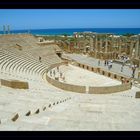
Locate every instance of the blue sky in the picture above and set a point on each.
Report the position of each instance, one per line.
(69, 18)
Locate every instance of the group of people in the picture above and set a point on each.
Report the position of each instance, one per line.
(57, 74)
(108, 63)
(133, 67)
(123, 58)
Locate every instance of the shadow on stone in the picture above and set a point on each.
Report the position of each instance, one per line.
(37, 111)
(44, 108)
(28, 113)
(15, 117)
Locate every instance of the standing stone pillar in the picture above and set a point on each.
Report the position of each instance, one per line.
(137, 49)
(100, 48)
(119, 45)
(101, 43)
(8, 29)
(112, 46)
(126, 46)
(96, 45)
(131, 49)
(4, 29)
(106, 45)
(91, 43)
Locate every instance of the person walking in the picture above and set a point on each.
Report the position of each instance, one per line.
(105, 63)
(98, 62)
(39, 58)
(51, 73)
(122, 67)
(54, 72)
(133, 71)
(57, 69)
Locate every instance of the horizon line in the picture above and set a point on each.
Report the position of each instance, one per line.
(77, 28)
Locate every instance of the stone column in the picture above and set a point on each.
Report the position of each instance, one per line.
(96, 42)
(137, 49)
(8, 29)
(112, 47)
(100, 48)
(106, 45)
(4, 29)
(131, 48)
(119, 44)
(91, 43)
(96, 45)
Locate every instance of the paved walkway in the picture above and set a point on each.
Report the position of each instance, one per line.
(127, 71)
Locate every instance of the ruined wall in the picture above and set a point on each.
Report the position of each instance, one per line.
(64, 86)
(104, 72)
(14, 84)
(92, 90)
(110, 89)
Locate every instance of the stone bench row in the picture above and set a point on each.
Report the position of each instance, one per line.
(6, 115)
(24, 64)
(20, 67)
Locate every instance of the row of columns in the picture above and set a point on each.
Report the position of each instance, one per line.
(6, 30)
(97, 48)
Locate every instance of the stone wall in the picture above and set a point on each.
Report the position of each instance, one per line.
(110, 89)
(14, 84)
(64, 86)
(92, 90)
(137, 94)
(104, 72)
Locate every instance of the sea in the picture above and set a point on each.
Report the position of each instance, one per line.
(70, 31)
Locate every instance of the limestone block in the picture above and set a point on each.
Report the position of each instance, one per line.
(15, 117)
(137, 94)
(14, 84)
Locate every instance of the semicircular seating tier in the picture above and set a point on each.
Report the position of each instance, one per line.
(22, 65)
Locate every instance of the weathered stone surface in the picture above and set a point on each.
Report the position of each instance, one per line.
(137, 94)
(14, 84)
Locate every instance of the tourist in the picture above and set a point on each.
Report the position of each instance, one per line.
(50, 73)
(60, 74)
(122, 67)
(105, 63)
(131, 83)
(54, 72)
(39, 59)
(133, 70)
(122, 79)
(63, 78)
(98, 62)
(109, 65)
(57, 69)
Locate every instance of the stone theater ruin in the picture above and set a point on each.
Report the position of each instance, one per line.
(87, 81)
